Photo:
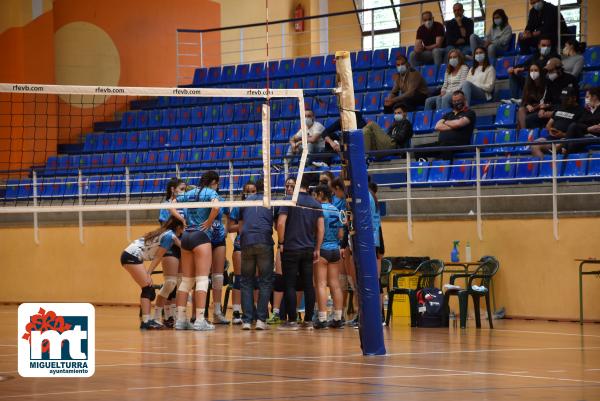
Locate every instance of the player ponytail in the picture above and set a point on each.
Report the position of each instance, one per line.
(171, 185)
(171, 224)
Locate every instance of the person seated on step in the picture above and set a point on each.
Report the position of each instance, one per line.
(315, 142)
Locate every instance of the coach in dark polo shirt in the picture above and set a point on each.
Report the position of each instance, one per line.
(300, 231)
(256, 241)
(456, 127)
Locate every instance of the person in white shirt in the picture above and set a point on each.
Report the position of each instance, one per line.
(454, 77)
(315, 142)
(481, 78)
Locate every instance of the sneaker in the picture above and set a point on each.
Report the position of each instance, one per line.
(218, 318)
(289, 326)
(260, 325)
(151, 325)
(237, 317)
(246, 326)
(274, 319)
(352, 322)
(169, 323)
(451, 287)
(336, 324)
(307, 326)
(320, 325)
(183, 325)
(203, 325)
(320, 164)
(506, 101)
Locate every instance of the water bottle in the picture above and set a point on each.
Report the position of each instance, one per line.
(454, 256)
(468, 252)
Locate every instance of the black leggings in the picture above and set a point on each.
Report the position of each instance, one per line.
(298, 265)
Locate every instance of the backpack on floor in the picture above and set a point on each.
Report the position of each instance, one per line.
(430, 307)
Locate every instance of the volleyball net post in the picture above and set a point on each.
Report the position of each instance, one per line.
(354, 173)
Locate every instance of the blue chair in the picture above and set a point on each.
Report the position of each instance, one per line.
(151, 160)
(327, 81)
(527, 169)
(460, 172)
(591, 58)
(71, 187)
(502, 66)
(380, 58)
(198, 114)
(389, 78)
(241, 112)
(257, 72)
(200, 76)
(234, 135)
(144, 140)
(175, 101)
(590, 79)
(301, 66)
(25, 189)
(375, 80)
(256, 111)
(545, 170)
(363, 60)
(430, 74)
(214, 75)
(385, 121)
(142, 119)
(95, 166)
(119, 161)
(320, 105)
(506, 116)
(419, 172)
(394, 53)
(170, 118)
(155, 119)
(184, 117)
(332, 106)
(173, 137)
(285, 70)
(102, 143)
(576, 166)
(90, 142)
(329, 64)
(594, 165)
(118, 141)
(360, 81)
(242, 73)
(525, 135)
(422, 122)
(227, 113)
(316, 65)
(484, 122)
(296, 83)
(486, 171)
(204, 136)
(228, 74)
(280, 83)
(503, 137)
(358, 101)
(129, 120)
(437, 116)
(441, 74)
(187, 136)
(131, 141)
(371, 102)
(484, 137)
(157, 139)
(283, 131)
(289, 108)
(91, 186)
(310, 83)
(213, 114)
(504, 171)
(439, 172)
(219, 135)
(194, 159)
(522, 59)
(252, 133)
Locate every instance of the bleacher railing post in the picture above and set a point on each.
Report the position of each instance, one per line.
(231, 187)
(478, 192)
(286, 168)
(80, 201)
(177, 171)
(554, 194)
(201, 50)
(127, 213)
(372, 30)
(409, 224)
(36, 237)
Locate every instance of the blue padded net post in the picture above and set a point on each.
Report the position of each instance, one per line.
(363, 243)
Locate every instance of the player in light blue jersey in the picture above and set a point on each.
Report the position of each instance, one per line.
(219, 233)
(347, 271)
(377, 234)
(328, 266)
(151, 247)
(196, 252)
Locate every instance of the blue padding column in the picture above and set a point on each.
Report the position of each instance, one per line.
(363, 245)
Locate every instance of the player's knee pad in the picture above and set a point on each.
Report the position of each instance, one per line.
(187, 283)
(168, 286)
(344, 282)
(217, 281)
(278, 283)
(202, 283)
(148, 292)
(237, 282)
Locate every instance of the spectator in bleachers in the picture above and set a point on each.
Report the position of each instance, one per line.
(515, 77)
(409, 88)
(572, 54)
(429, 46)
(497, 39)
(397, 136)
(315, 142)
(480, 79)
(454, 77)
(588, 124)
(459, 30)
(567, 113)
(331, 137)
(542, 22)
(533, 97)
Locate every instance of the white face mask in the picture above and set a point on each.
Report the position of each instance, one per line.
(498, 21)
(479, 57)
(398, 117)
(544, 50)
(453, 62)
(428, 24)
(588, 102)
(401, 69)
(552, 76)
(309, 121)
(539, 5)
(534, 75)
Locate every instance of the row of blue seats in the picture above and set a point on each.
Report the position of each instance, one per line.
(301, 66)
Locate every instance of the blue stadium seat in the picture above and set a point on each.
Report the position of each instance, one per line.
(242, 73)
(194, 159)
(484, 122)
(437, 116)
(282, 131)
(439, 172)
(131, 142)
(184, 117)
(71, 187)
(327, 81)
(257, 72)
(227, 113)
(252, 133)
(484, 137)
(214, 75)
(380, 58)
(422, 122)
(310, 83)
(430, 73)
(119, 161)
(156, 139)
(25, 189)
(213, 114)
(575, 166)
(203, 136)
(233, 134)
(301, 65)
(95, 164)
(504, 171)
(594, 165)
(142, 119)
(280, 83)
(170, 117)
(242, 112)
(592, 57)
(256, 111)
(375, 80)
(187, 136)
(137, 184)
(276, 107)
(219, 135)
(363, 60)
(296, 83)
(329, 64)
(156, 117)
(129, 120)
(175, 101)
(198, 115)
(200, 76)
(522, 59)
(150, 160)
(385, 121)
(285, 70)
(486, 171)
(460, 172)
(278, 151)
(92, 186)
(118, 141)
(12, 189)
(371, 102)
(441, 74)
(527, 169)
(180, 156)
(525, 135)
(502, 66)
(315, 65)
(389, 79)
(503, 137)
(358, 101)
(289, 108)
(419, 172)
(228, 74)
(511, 46)
(332, 106)
(591, 79)
(90, 142)
(394, 53)
(545, 170)
(506, 116)
(360, 81)
(320, 105)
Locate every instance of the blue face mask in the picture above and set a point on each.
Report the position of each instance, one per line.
(479, 57)
(538, 6)
(401, 69)
(398, 117)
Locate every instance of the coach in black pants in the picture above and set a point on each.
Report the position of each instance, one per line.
(300, 230)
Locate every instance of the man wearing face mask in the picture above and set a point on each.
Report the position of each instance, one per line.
(589, 122)
(429, 46)
(456, 127)
(541, 22)
(410, 88)
(315, 142)
(515, 76)
(459, 30)
(397, 136)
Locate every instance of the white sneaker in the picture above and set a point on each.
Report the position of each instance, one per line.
(183, 325)
(320, 164)
(218, 318)
(451, 287)
(203, 325)
(260, 325)
(246, 326)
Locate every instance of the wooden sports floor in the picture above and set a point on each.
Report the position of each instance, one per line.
(519, 360)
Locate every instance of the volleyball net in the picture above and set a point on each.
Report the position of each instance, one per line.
(99, 148)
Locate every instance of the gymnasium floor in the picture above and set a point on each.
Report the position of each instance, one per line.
(519, 360)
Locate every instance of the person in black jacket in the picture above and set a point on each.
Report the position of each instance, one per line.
(541, 57)
(542, 22)
(588, 124)
(459, 31)
(397, 136)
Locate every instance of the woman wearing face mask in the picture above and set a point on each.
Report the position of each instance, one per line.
(515, 74)
(481, 79)
(589, 122)
(315, 142)
(455, 76)
(572, 59)
(533, 98)
(497, 39)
